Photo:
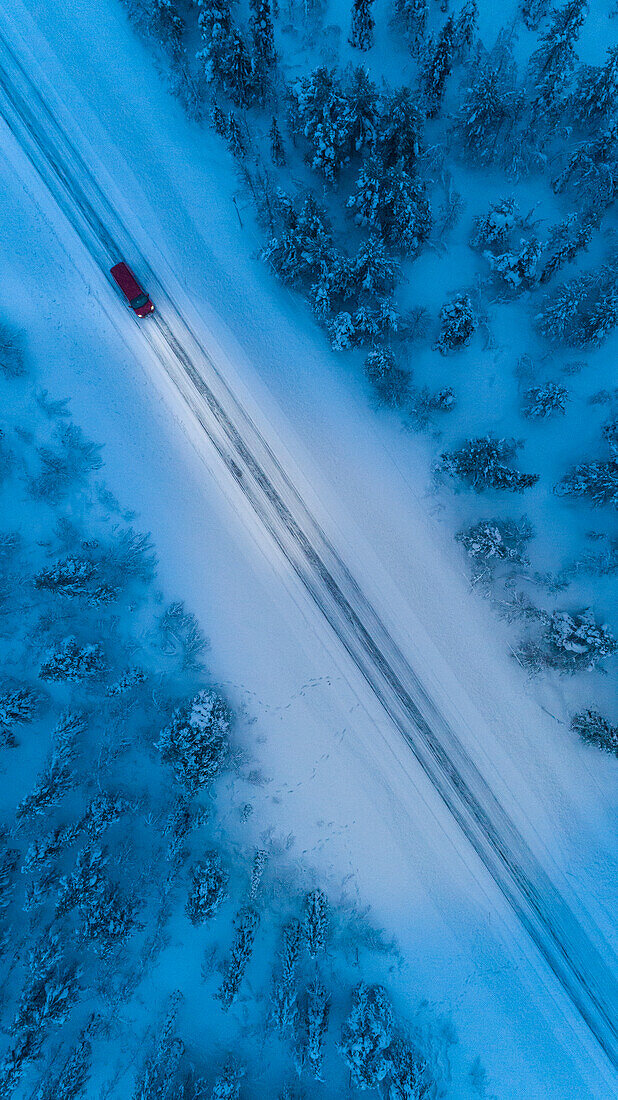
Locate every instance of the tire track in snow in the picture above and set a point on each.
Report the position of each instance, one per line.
(580, 969)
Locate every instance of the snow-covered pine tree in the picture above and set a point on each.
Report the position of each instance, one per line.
(570, 643)
(372, 271)
(239, 73)
(318, 114)
(263, 35)
(492, 541)
(316, 1008)
(235, 137)
(484, 463)
(592, 172)
(284, 1007)
(195, 742)
(305, 247)
(19, 704)
(365, 325)
(58, 775)
(247, 923)
(490, 103)
(50, 989)
(71, 662)
(400, 132)
(363, 23)
(218, 120)
(565, 240)
(362, 112)
(596, 96)
(494, 230)
(518, 269)
(458, 324)
(12, 356)
(159, 19)
(67, 464)
(215, 23)
(394, 203)
(277, 150)
(582, 311)
(552, 63)
(409, 1076)
(437, 67)
(595, 481)
(464, 29)
(71, 1081)
(207, 889)
(366, 1036)
(315, 923)
(391, 383)
(414, 15)
(105, 914)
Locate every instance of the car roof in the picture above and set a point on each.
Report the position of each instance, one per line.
(126, 279)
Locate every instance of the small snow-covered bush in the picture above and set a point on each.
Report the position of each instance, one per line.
(208, 888)
(19, 704)
(66, 465)
(598, 481)
(11, 354)
(458, 324)
(596, 730)
(227, 1084)
(494, 229)
(391, 383)
(569, 643)
(483, 463)
(315, 922)
(196, 742)
(73, 663)
(489, 542)
(518, 269)
(541, 402)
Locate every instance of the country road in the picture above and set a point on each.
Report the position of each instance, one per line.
(588, 978)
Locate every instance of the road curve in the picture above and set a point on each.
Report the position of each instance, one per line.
(582, 972)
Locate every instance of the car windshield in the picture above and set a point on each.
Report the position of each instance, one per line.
(137, 303)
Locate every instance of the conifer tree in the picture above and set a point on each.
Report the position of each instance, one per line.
(596, 96)
(490, 103)
(362, 115)
(401, 129)
(263, 34)
(553, 62)
(413, 14)
(235, 137)
(239, 71)
(437, 68)
(363, 23)
(464, 29)
(533, 11)
(277, 151)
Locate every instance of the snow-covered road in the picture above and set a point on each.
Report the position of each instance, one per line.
(585, 975)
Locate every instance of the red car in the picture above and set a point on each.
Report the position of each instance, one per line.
(137, 298)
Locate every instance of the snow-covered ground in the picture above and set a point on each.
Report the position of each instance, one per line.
(334, 780)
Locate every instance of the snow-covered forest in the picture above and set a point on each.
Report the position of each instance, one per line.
(438, 182)
(224, 873)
